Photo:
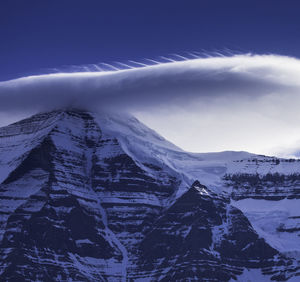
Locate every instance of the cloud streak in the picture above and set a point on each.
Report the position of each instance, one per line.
(257, 87)
(241, 76)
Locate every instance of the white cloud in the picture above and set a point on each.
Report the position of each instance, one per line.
(241, 102)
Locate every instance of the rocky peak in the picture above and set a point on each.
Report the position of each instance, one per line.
(101, 197)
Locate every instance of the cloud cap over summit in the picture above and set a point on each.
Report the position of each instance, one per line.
(212, 88)
(239, 76)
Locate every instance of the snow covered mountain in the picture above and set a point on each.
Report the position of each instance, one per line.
(101, 197)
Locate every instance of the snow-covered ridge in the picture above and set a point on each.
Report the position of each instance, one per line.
(145, 146)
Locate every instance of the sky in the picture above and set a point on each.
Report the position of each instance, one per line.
(241, 94)
(39, 36)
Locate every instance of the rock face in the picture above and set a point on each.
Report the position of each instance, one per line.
(267, 191)
(201, 236)
(87, 197)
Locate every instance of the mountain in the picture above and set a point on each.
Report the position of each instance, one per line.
(101, 197)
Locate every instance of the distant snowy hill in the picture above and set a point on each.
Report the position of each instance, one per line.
(101, 197)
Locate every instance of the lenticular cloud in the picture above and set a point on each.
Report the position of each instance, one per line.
(175, 83)
(241, 102)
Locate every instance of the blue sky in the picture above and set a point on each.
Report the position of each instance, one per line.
(40, 35)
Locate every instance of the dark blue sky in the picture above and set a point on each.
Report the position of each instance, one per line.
(37, 35)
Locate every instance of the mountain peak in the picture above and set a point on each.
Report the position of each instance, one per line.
(109, 198)
(199, 187)
(202, 190)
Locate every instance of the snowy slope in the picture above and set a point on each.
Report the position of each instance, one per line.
(276, 221)
(145, 145)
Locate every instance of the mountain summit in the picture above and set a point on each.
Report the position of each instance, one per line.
(101, 197)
